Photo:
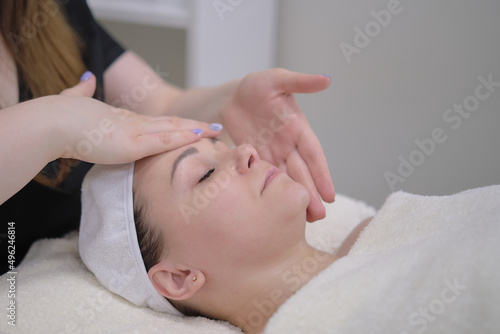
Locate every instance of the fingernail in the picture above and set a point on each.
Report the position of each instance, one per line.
(328, 76)
(216, 126)
(198, 131)
(85, 76)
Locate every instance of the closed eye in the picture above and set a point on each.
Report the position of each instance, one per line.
(207, 175)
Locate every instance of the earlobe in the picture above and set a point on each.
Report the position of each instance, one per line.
(176, 283)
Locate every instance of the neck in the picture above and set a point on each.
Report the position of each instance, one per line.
(267, 291)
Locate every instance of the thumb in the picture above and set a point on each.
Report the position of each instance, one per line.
(86, 86)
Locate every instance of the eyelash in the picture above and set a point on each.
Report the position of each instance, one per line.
(207, 175)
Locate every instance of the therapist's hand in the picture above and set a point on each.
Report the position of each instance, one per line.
(100, 133)
(264, 112)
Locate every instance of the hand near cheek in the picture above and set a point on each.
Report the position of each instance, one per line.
(100, 133)
(265, 113)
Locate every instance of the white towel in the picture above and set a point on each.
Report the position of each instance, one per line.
(423, 265)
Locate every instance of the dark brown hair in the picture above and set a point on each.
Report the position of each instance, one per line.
(152, 248)
(47, 53)
(149, 237)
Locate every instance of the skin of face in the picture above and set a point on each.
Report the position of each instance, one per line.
(228, 221)
(228, 216)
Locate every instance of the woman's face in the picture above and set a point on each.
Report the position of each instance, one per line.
(219, 206)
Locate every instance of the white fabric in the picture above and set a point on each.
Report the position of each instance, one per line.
(56, 293)
(108, 240)
(424, 264)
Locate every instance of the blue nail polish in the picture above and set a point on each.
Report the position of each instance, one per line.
(328, 76)
(85, 76)
(198, 131)
(216, 126)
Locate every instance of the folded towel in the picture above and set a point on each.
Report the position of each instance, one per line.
(424, 264)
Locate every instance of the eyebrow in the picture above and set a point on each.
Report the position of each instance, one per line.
(183, 155)
(189, 151)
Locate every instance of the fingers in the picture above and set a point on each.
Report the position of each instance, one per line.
(311, 152)
(168, 124)
(86, 86)
(166, 134)
(155, 143)
(298, 170)
(292, 82)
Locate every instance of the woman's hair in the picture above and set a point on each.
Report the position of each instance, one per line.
(47, 53)
(149, 236)
(151, 243)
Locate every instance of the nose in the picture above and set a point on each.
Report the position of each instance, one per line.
(246, 156)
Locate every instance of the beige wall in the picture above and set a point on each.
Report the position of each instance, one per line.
(394, 91)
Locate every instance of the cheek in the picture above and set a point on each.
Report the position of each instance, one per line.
(225, 222)
(287, 202)
(228, 224)
(228, 211)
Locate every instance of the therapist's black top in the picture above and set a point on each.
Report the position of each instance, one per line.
(42, 212)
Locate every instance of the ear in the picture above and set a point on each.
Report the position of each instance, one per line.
(176, 282)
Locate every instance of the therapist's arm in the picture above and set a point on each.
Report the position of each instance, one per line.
(41, 130)
(130, 83)
(30, 139)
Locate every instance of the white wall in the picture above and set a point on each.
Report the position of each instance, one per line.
(397, 90)
(164, 49)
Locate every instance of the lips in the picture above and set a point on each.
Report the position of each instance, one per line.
(271, 174)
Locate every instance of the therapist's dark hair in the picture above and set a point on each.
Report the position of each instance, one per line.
(47, 53)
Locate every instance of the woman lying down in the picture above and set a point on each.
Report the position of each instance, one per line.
(216, 231)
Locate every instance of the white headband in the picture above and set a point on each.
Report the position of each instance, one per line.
(108, 240)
